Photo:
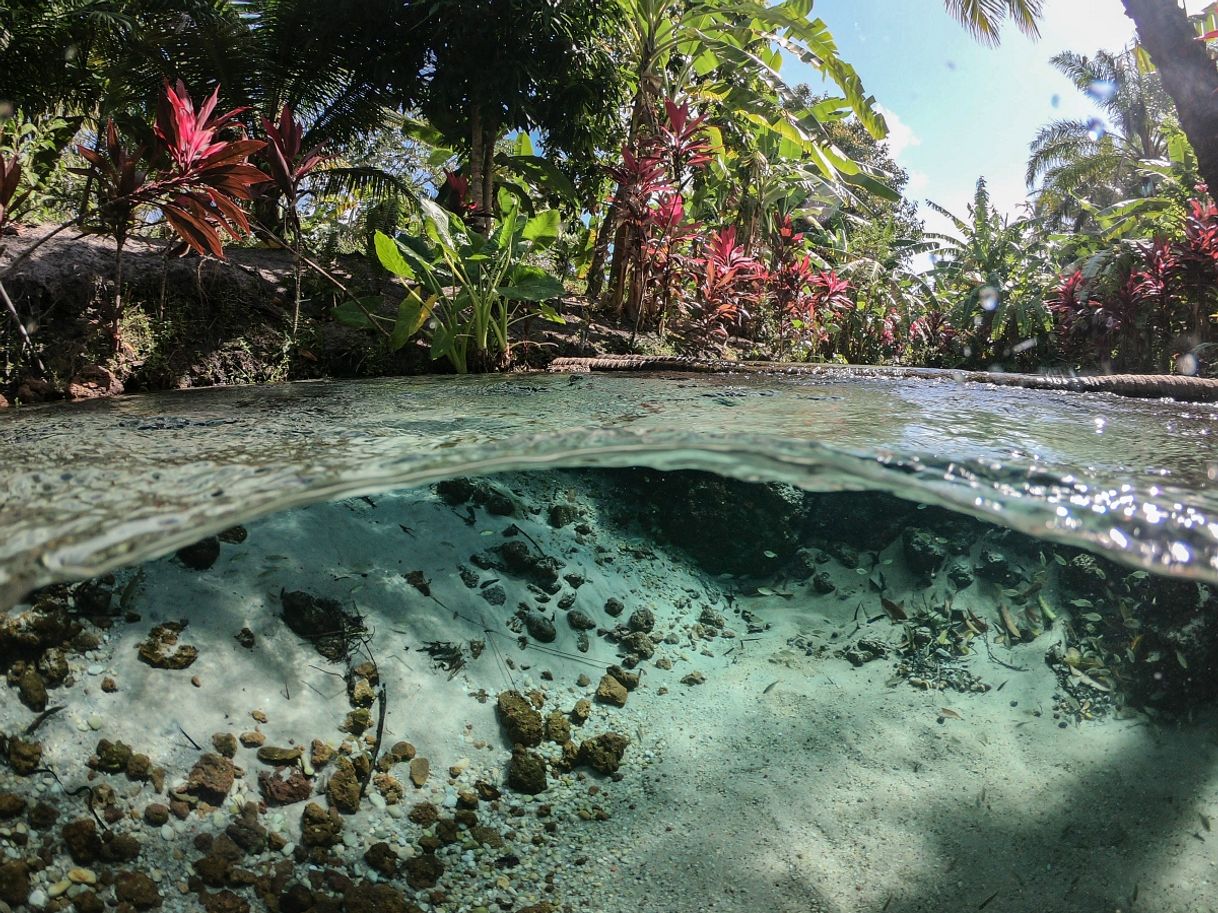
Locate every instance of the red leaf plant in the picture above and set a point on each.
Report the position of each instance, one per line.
(196, 177)
(729, 283)
(10, 180)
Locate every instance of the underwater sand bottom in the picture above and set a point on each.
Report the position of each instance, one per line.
(781, 782)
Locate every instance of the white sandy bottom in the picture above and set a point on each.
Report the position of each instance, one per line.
(830, 791)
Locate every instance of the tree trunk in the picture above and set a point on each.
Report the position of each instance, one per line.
(477, 161)
(1189, 75)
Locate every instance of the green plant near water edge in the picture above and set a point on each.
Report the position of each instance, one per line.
(465, 289)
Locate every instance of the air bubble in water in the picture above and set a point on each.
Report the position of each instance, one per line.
(989, 298)
(1102, 90)
(1096, 129)
(1186, 364)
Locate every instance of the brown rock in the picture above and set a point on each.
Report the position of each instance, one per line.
(319, 827)
(137, 889)
(284, 786)
(527, 772)
(252, 739)
(519, 719)
(94, 382)
(320, 754)
(424, 814)
(343, 789)
(401, 752)
(420, 769)
(43, 816)
(36, 390)
(122, 848)
(156, 813)
(11, 805)
(225, 744)
(269, 754)
(371, 897)
(109, 685)
(80, 837)
(24, 757)
(32, 690)
(201, 555)
(161, 649)
(604, 752)
(423, 871)
(581, 711)
(611, 691)
(558, 729)
(390, 788)
(382, 859)
(211, 778)
(14, 882)
(223, 902)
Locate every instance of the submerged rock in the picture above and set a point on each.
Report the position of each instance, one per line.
(611, 691)
(323, 622)
(724, 524)
(202, 555)
(211, 778)
(924, 552)
(603, 752)
(527, 772)
(519, 719)
(319, 827)
(161, 649)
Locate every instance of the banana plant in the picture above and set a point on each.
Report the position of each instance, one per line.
(465, 289)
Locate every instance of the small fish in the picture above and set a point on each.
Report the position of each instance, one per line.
(1205, 822)
(949, 713)
(770, 554)
(770, 687)
(985, 903)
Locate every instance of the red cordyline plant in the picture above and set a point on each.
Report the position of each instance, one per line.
(652, 238)
(10, 181)
(197, 179)
(10, 199)
(289, 164)
(729, 284)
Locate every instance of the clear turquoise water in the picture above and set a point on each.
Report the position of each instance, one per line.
(91, 486)
(919, 646)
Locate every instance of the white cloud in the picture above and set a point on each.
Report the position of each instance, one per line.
(901, 136)
(918, 182)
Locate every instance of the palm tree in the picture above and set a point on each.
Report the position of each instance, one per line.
(984, 18)
(995, 269)
(1077, 161)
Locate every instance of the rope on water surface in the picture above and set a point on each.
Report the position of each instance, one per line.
(1144, 386)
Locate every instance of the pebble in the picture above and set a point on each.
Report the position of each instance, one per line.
(38, 898)
(96, 722)
(95, 669)
(82, 876)
(58, 888)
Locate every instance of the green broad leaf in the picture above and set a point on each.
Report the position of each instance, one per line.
(391, 258)
(545, 312)
(541, 172)
(543, 228)
(438, 223)
(533, 288)
(523, 144)
(705, 63)
(350, 314)
(872, 185)
(412, 314)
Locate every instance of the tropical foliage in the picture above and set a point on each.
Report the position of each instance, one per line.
(643, 162)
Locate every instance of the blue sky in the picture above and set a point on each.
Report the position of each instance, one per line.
(958, 109)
